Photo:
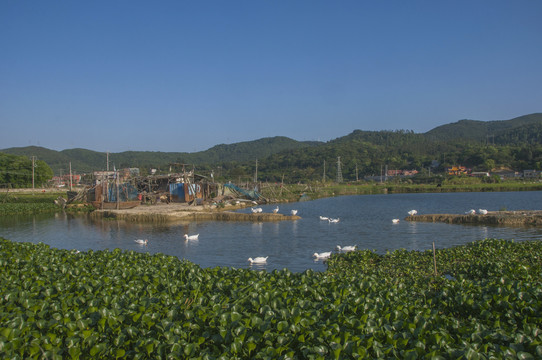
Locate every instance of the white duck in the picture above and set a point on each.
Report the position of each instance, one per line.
(323, 255)
(323, 218)
(334, 221)
(482, 211)
(293, 212)
(256, 210)
(412, 212)
(141, 241)
(276, 210)
(471, 212)
(346, 248)
(191, 237)
(395, 221)
(258, 260)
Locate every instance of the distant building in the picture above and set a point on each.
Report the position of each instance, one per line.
(531, 174)
(479, 174)
(458, 170)
(402, 172)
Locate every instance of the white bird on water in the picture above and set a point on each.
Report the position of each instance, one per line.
(323, 255)
(334, 221)
(412, 212)
(293, 212)
(395, 221)
(258, 260)
(471, 212)
(191, 237)
(276, 210)
(256, 210)
(141, 241)
(323, 218)
(482, 211)
(346, 248)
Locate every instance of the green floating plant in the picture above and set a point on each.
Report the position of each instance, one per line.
(485, 301)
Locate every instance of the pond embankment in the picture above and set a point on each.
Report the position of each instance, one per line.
(505, 218)
(184, 212)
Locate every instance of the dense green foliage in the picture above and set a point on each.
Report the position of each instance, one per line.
(16, 171)
(481, 145)
(128, 305)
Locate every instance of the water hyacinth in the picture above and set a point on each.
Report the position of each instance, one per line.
(128, 305)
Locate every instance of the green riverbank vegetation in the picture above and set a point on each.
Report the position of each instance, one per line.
(17, 202)
(314, 190)
(484, 302)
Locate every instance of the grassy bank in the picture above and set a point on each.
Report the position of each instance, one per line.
(128, 305)
(27, 203)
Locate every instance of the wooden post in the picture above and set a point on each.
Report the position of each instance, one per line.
(117, 183)
(70, 176)
(435, 258)
(33, 167)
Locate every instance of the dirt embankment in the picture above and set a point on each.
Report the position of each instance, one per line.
(505, 218)
(185, 212)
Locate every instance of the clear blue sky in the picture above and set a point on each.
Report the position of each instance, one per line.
(188, 75)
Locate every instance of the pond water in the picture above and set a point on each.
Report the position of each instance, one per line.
(365, 221)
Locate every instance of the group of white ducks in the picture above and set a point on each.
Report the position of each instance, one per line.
(330, 220)
(327, 254)
(275, 211)
(410, 213)
(316, 256)
(470, 212)
(473, 212)
(186, 238)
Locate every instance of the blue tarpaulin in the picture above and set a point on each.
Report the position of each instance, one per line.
(127, 192)
(251, 194)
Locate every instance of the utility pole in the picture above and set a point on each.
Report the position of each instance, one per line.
(339, 172)
(256, 173)
(33, 173)
(107, 161)
(357, 179)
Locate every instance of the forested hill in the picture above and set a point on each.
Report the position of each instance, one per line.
(87, 160)
(482, 145)
(523, 129)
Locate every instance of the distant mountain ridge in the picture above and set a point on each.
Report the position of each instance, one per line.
(88, 160)
(482, 131)
(366, 148)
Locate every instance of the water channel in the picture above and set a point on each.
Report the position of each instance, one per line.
(365, 221)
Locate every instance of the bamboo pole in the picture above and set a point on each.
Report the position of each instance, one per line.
(435, 258)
